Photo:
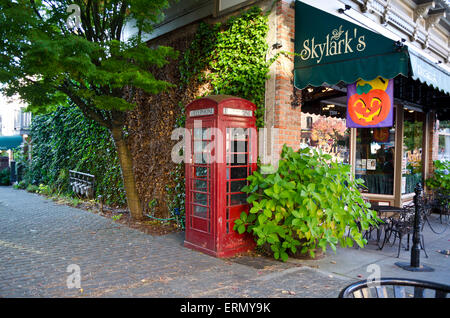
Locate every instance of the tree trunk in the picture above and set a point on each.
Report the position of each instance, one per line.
(126, 164)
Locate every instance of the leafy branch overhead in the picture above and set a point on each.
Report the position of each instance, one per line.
(45, 61)
(91, 63)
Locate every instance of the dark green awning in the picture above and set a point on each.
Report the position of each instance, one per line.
(334, 50)
(10, 142)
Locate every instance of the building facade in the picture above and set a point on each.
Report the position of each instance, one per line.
(307, 103)
(15, 124)
(390, 160)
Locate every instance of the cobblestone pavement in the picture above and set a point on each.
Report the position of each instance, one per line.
(39, 239)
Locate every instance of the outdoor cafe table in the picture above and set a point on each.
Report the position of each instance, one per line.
(391, 210)
(386, 213)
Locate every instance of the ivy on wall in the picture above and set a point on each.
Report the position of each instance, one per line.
(229, 59)
(66, 140)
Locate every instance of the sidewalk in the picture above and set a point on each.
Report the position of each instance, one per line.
(352, 262)
(40, 239)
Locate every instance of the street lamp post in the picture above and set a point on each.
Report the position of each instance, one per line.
(414, 265)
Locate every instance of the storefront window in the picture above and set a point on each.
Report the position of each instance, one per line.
(444, 140)
(325, 129)
(375, 155)
(412, 150)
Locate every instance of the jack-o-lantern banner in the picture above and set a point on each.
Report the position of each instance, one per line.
(370, 103)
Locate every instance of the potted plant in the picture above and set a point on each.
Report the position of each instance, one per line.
(309, 203)
(439, 184)
(440, 181)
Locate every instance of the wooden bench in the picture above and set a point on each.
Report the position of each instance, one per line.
(82, 183)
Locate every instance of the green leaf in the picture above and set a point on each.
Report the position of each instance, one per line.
(276, 188)
(269, 192)
(255, 209)
(274, 237)
(262, 219)
(252, 198)
(278, 217)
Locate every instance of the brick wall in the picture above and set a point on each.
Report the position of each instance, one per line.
(282, 103)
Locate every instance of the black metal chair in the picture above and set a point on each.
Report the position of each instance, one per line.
(401, 226)
(395, 288)
(437, 209)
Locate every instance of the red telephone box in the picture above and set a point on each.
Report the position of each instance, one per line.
(222, 154)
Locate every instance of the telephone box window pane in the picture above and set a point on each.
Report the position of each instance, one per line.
(198, 133)
(239, 146)
(200, 211)
(202, 158)
(239, 159)
(236, 186)
(237, 133)
(238, 173)
(202, 134)
(200, 198)
(238, 199)
(201, 171)
(199, 145)
(199, 158)
(201, 185)
(237, 140)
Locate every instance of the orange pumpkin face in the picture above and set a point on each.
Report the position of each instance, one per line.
(381, 134)
(369, 109)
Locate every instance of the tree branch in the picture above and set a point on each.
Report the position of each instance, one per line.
(33, 4)
(121, 19)
(96, 17)
(87, 110)
(86, 18)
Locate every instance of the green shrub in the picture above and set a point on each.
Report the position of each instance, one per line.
(44, 189)
(21, 185)
(32, 188)
(5, 177)
(65, 139)
(440, 181)
(308, 203)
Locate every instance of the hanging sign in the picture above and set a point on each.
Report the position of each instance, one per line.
(370, 103)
